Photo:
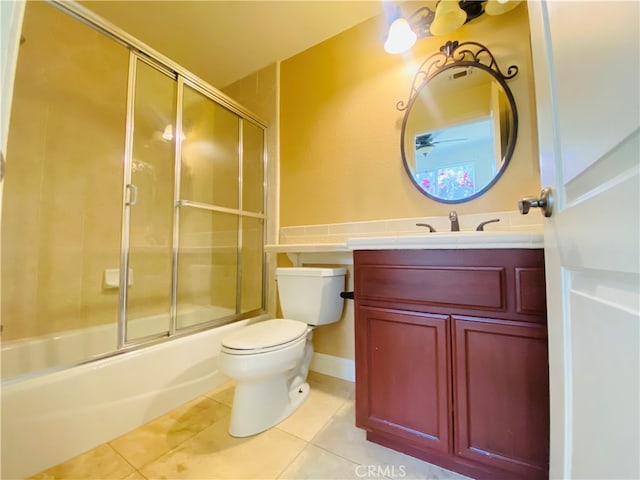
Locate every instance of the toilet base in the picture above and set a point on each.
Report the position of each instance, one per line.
(260, 405)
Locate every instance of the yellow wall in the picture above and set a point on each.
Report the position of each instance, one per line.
(340, 129)
(340, 135)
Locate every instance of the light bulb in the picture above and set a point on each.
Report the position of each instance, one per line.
(498, 7)
(449, 17)
(400, 38)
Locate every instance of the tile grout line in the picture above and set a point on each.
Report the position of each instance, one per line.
(279, 475)
(333, 417)
(309, 442)
(134, 469)
(146, 464)
(336, 454)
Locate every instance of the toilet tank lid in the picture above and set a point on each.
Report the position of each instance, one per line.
(268, 333)
(311, 272)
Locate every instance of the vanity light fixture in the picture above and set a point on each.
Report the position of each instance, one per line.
(448, 16)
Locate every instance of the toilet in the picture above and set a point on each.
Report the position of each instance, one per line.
(269, 360)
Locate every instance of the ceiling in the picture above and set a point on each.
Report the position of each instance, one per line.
(223, 41)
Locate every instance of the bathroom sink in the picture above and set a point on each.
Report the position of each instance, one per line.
(451, 240)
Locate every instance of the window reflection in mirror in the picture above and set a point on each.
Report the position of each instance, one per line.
(450, 163)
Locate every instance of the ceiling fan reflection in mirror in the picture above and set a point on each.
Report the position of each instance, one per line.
(427, 141)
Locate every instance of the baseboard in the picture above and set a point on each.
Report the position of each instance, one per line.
(339, 367)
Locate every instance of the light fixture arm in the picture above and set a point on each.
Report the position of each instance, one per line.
(421, 19)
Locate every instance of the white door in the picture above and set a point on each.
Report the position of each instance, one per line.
(586, 64)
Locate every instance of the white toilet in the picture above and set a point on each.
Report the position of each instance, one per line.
(270, 360)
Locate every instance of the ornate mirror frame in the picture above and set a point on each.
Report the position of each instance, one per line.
(451, 55)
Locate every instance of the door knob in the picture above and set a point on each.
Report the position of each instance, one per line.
(545, 202)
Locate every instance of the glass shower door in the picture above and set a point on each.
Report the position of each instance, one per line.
(209, 221)
(148, 233)
(61, 210)
(193, 210)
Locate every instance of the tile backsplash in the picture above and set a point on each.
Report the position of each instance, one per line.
(511, 221)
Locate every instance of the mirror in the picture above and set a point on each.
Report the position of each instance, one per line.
(460, 124)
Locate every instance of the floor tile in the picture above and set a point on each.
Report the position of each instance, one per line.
(101, 462)
(223, 393)
(134, 476)
(156, 438)
(314, 463)
(214, 454)
(341, 437)
(332, 385)
(312, 415)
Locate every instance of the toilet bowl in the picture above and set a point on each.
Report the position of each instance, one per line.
(269, 360)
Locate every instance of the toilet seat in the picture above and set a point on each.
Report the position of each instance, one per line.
(265, 336)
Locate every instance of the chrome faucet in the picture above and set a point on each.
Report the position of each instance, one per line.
(431, 229)
(480, 227)
(453, 216)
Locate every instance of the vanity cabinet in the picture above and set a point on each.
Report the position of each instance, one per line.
(451, 357)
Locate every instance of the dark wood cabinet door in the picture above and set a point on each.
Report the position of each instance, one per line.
(403, 375)
(501, 395)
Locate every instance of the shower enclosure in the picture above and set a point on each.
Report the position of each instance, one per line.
(134, 199)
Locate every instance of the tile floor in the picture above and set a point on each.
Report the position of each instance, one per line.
(319, 441)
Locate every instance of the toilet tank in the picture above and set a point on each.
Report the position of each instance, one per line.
(311, 295)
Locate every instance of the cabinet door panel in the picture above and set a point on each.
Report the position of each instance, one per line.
(404, 374)
(501, 394)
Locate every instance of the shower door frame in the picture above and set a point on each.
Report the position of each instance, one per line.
(139, 51)
(129, 199)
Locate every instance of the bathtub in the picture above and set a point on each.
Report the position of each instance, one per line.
(48, 419)
(71, 347)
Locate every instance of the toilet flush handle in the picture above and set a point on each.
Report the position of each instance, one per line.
(347, 295)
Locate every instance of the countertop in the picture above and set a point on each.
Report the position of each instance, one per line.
(435, 240)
